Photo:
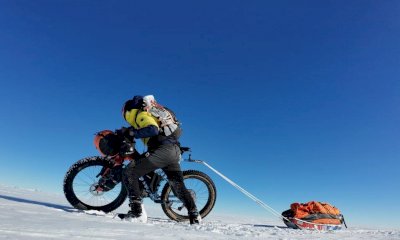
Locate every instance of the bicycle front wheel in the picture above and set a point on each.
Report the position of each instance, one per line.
(81, 191)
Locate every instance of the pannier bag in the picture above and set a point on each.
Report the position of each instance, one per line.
(313, 215)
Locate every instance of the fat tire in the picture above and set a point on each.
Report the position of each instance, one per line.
(205, 210)
(74, 200)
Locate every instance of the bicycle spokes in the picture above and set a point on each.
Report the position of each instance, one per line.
(89, 187)
(198, 190)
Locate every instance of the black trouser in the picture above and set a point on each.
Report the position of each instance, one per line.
(165, 157)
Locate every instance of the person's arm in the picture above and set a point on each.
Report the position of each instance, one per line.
(131, 132)
(149, 131)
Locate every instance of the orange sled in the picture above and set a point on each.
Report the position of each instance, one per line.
(313, 215)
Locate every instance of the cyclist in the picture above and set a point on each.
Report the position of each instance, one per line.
(160, 131)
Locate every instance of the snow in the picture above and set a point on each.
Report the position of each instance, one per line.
(32, 214)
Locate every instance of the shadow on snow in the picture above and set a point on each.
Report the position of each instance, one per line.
(51, 205)
(71, 209)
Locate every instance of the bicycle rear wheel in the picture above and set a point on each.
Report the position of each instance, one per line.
(202, 189)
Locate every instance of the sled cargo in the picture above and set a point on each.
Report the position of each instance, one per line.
(313, 215)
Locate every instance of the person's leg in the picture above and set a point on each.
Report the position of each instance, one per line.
(175, 177)
(157, 158)
(133, 171)
(131, 175)
(176, 180)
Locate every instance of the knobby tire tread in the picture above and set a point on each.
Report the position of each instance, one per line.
(208, 206)
(74, 200)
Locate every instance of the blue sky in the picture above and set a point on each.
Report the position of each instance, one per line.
(293, 100)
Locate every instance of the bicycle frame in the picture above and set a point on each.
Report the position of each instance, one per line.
(154, 194)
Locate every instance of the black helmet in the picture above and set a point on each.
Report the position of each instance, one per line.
(135, 103)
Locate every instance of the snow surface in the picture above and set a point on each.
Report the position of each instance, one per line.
(31, 214)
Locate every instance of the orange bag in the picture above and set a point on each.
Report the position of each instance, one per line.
(315, 212)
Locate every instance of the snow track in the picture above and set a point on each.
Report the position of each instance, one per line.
(31, 214)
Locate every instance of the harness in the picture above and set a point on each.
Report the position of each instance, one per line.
(168, 121)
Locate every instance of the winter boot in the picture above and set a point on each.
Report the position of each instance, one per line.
(137, 212)
(194, 218)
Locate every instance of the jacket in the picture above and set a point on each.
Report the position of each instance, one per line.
(147, 128)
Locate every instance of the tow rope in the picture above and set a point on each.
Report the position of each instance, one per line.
(251, 196)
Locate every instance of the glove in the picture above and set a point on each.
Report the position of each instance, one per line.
(125, 133)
